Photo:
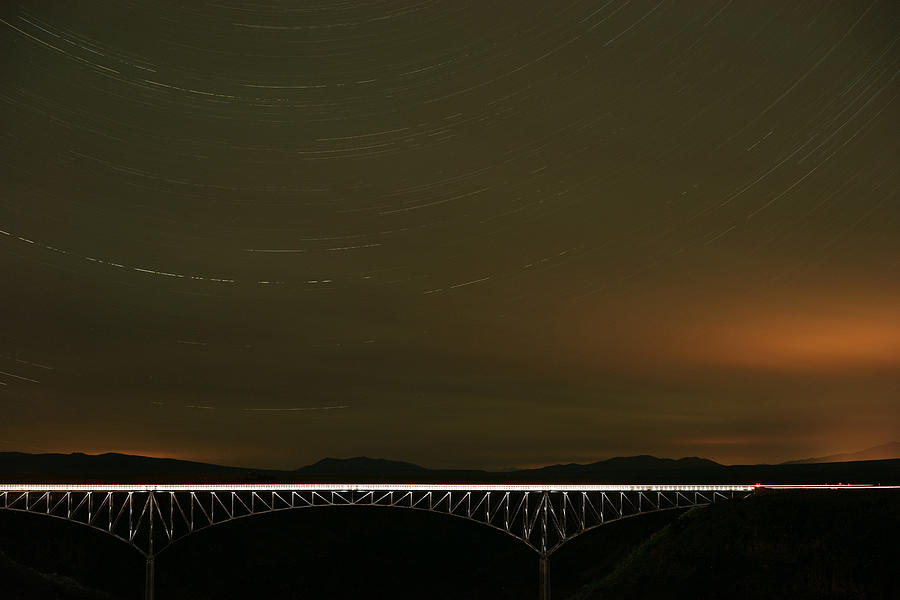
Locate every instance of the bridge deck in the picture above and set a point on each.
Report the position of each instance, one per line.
(374, 487)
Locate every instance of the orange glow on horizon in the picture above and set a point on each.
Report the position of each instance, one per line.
(807, 343)
(785, 333)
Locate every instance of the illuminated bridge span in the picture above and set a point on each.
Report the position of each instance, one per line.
(152, 517)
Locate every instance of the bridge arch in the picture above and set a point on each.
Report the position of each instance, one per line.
(286, 509)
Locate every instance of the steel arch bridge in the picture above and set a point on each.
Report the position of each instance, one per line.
(150, 518)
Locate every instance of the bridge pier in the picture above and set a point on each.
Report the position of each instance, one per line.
(545, 578)
(148, 579)
(148, 574)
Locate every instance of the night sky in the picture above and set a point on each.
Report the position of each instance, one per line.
(464, 234)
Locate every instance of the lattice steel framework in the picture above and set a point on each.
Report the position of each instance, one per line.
(151, 517)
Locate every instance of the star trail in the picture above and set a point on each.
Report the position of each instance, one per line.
(463, 234)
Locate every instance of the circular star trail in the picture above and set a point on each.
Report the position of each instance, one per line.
(459, 233)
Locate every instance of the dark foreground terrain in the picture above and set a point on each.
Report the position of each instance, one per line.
(797, 545)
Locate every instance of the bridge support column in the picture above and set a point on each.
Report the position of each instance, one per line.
(148, 574)
(545, 578)
(148, 579)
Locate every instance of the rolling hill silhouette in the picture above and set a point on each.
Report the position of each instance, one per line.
(881, 452)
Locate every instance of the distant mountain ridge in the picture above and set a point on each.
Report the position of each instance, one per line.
(95, 467)
(631, 463)
(361, 464)
(111, 467)
(882, 452)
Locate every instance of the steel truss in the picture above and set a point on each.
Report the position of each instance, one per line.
(151, 518)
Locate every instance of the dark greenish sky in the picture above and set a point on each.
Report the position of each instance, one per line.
(467, 234)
